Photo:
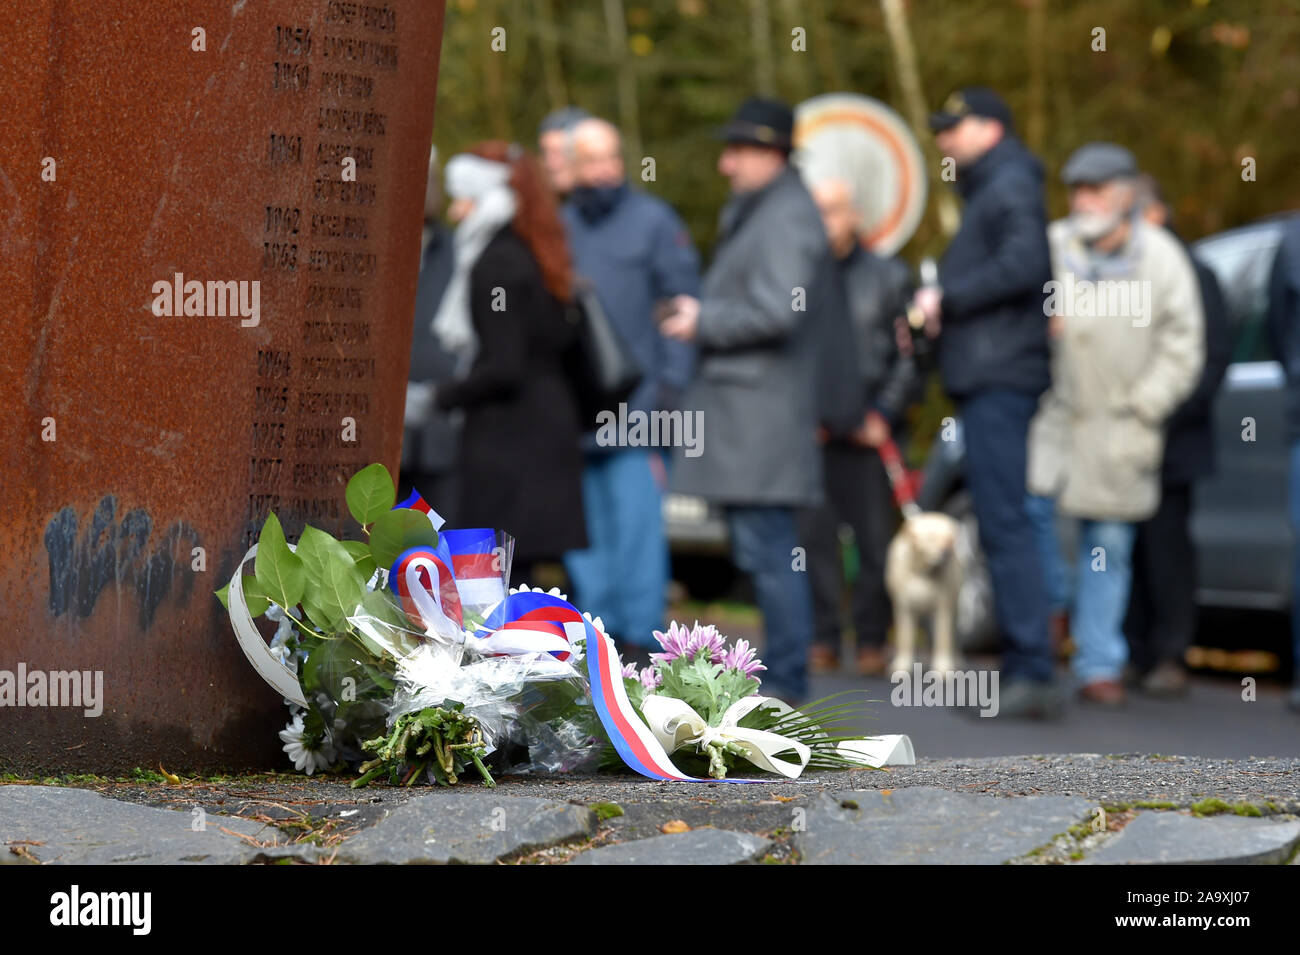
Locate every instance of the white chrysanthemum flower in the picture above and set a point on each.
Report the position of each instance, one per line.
(304, 759)
(524, 588)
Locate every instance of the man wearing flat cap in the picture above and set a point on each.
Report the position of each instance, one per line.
(987, 316)
(1128, 346)
(771, 289)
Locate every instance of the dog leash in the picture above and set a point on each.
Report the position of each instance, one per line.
(904, 483)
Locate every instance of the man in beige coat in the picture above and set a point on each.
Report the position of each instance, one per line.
(1128, 344)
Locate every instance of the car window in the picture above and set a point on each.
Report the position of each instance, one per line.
(1242, 261)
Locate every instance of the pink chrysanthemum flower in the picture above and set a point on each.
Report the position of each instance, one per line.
(681, 642)
(651, 678)
(744, 658)
(674, 641)
(629, 672)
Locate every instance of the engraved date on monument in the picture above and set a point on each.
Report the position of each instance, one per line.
(293, 40)
(263, 472)
(280, 255)
(271, 400)
(290, 77)
(273, 364)
(268, 435)
(284, 149)
(283, 220)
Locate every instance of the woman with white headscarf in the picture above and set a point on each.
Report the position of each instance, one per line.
(504, 314)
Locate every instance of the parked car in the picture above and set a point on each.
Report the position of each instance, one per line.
(1240, 525)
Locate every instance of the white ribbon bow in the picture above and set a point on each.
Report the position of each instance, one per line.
(675, 725)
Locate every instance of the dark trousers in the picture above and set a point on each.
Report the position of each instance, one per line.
(995, 426)
(763, 542)
(1162, 604)
(857, 494)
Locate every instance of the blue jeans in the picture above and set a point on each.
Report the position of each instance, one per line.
(622, 575)
(763, 542)
(1103, 581)
(995, 424)
(1056, 580)
(1295, 563)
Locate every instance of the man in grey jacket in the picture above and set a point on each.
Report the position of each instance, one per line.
(755, 324)
(1129, 343)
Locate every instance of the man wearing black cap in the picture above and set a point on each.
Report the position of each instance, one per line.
(758, 326)
(1129, 344)
(987, 314)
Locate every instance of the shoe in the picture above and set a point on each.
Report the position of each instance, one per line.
(1167, 681)
(1026, 699)
(872, 661)
(1102, 692)
(1293, 698)
(823, 659)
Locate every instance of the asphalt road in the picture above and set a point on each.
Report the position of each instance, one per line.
(1212, 720)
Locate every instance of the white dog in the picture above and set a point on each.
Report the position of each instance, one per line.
(923, 574)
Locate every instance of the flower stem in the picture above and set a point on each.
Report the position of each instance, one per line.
(365, 778)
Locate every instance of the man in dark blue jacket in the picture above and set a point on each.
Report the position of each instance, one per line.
(988, 316)
(635, 252)
(1284, 333)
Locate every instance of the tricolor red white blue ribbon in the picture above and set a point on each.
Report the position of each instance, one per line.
(464, 569)
(435, 584)
(532, 619)
(631, 737)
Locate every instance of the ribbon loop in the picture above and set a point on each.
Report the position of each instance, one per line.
(676, 725)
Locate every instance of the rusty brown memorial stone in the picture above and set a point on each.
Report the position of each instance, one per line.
(210, 223)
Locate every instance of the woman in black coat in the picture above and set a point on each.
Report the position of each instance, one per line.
(521, 460)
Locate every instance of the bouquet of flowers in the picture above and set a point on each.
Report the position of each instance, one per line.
(700, 698)
(407, 656)
(374, 648)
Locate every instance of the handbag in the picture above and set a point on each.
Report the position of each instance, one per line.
(603, 369)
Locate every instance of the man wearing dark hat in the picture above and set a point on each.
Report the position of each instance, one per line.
(987, 315)
(758, 325)
(1128, 347)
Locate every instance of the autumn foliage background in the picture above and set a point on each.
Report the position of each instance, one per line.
(1193, 87)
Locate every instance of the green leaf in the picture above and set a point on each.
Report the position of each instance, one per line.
(370, 494)
(280, 573)
(334, 583)
(224, 596)
(314, 547)
(399, 530)
(339, 591)
(256, 601)
(319, 618)
(361, 556)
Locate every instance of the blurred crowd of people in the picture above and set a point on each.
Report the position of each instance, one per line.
(802, 351)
